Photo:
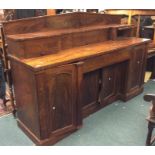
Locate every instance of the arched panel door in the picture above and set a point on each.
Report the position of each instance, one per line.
(60, 88)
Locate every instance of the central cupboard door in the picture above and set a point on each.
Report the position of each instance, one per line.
(99, 88)
(113, 85)
(103, 86)
(61, 90)
(90, 91)
(108, 85)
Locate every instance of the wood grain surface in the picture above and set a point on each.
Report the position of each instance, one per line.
(67, 67)
(80, 53)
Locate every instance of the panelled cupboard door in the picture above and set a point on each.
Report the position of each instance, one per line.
(61, 87)
(136, 67)
(108, 84)
(90, 89)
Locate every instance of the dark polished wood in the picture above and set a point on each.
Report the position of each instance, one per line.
(68, 66)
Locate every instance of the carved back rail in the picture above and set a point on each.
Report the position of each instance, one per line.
(39, 36)
(63, 21)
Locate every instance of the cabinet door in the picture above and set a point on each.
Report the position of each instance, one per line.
(90, 89)
(108, 87)
(90, 92)
(61, 87)
(136, 67)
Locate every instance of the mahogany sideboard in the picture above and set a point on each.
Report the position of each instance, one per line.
(65, 67)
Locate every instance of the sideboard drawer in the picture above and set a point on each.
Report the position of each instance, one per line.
(106, 59)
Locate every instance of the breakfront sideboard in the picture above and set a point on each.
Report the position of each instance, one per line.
(66, 67)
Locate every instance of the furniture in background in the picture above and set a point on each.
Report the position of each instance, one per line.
(131, 13)
(150, 31)
(66, 67)
(7, 72)
(2, 79)
(51, 11)
(151, 62)
(12, 14)
(144, 31)
(151, 119)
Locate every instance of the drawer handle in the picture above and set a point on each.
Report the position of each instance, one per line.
(109, 78)
(138, 62)
(53, 108)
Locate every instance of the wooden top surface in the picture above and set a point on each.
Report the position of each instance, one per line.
(49, 33)
(79, 53)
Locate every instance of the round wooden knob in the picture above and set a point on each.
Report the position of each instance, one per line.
(53, 108)
(138, 62)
